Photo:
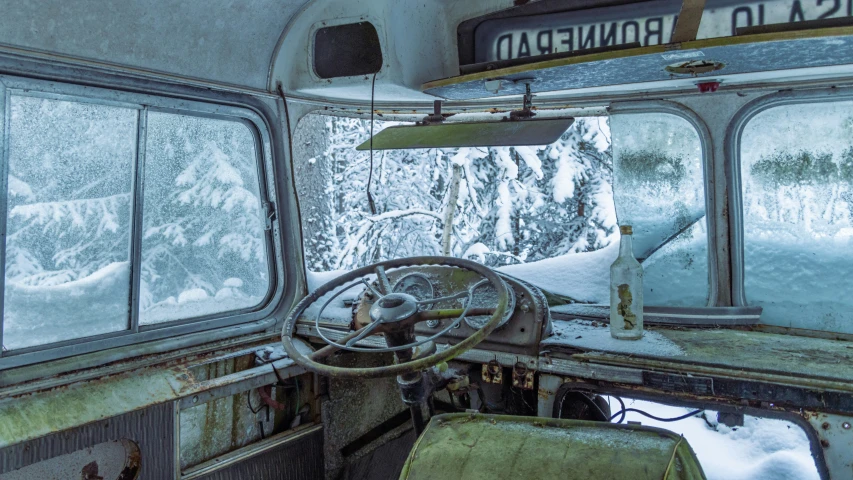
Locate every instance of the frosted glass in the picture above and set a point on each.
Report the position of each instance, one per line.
(658, 187)
(797, 171)
(68, 227)
(203, 242)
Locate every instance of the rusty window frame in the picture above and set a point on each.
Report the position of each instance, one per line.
(258, 317)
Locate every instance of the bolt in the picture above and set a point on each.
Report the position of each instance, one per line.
(824, 443)
(825, 425)
(845, 425)
(195, 398)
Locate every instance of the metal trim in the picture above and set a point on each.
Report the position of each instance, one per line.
(200, 105)
(733, 168)
(5, 103)
(138, 196)
(708, 161)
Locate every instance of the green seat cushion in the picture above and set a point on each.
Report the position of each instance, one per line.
(495, 447)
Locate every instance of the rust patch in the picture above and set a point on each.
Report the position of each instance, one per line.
(90, 472)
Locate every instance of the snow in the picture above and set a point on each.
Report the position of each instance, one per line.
(589, 335)
(477, 251)
(36, 315)
(762, 449)
(582, 277)
(192, 295)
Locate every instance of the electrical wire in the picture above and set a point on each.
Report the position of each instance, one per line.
(649, 415)
(622, 405)
(371, 203)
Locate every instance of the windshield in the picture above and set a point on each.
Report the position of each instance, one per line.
(545, 214)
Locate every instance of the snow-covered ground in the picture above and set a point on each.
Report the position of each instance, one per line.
(762, 449)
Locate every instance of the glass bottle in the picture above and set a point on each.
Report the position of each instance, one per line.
(626, 291)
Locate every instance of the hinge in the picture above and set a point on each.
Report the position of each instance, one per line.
(269, 215)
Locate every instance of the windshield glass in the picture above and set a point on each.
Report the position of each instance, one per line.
(545, 214)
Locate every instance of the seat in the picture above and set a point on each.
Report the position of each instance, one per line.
(496, 447)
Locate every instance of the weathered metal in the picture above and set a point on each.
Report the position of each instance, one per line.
(522, 377)
(415, 365)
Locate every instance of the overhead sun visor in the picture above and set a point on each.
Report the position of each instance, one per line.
(473, 134)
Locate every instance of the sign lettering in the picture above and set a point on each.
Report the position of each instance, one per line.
(648, 23)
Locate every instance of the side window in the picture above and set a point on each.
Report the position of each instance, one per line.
(68, 221)
(78, 246)
(203, 244)
(658, 187)
(797, 187)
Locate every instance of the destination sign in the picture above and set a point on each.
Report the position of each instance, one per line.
(647, 23)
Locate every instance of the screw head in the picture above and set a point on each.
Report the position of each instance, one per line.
(825, 425)
(824, 443)
(195, 398)
(845, 425)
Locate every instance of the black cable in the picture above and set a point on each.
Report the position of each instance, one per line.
(370, 201)
(625, 410)
(622, 404)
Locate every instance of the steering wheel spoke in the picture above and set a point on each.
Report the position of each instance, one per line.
(442, 314)
(384, 283)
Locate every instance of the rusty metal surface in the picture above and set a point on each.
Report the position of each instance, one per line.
(836, 439)
(31, 416)
(151, 429)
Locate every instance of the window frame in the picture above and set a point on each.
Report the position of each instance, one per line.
(707, 146)
(143, 103)
(734, 133)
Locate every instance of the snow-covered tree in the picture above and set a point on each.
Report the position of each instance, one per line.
(511, 204)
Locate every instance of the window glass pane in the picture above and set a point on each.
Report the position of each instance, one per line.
(659, 190)
(534, 212)
(68, 225)
(797, 170)
(203, 244)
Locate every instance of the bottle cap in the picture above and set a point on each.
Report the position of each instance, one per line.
(626, 230)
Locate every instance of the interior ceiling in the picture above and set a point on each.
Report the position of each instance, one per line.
(222, 41)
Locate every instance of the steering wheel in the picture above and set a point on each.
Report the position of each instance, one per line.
(394, 315)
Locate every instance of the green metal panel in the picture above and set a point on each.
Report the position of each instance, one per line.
(495, 447)
(480, 134)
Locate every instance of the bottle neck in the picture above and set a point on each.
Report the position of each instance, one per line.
(626, 247)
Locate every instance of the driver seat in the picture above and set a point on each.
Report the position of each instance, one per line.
(496, 447)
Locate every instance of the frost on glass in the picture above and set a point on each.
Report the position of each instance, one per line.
(659, 190)
(203, 243)
(500, 206)
(797, 171)
(68, 225)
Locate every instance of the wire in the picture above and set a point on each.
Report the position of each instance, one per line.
(622, 405)
(370, 201)
(649, 415)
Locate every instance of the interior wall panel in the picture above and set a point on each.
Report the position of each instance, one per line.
(152, 429)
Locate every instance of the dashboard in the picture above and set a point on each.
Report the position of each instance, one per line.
(525, 323)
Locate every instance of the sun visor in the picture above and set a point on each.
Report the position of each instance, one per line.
(471, 134)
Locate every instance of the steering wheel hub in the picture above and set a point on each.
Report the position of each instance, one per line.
(393, 308)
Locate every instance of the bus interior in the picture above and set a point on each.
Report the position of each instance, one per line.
(372, 239)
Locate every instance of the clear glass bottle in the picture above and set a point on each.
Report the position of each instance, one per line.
(626, 291)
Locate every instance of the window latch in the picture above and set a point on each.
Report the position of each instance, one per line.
(269, 215)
